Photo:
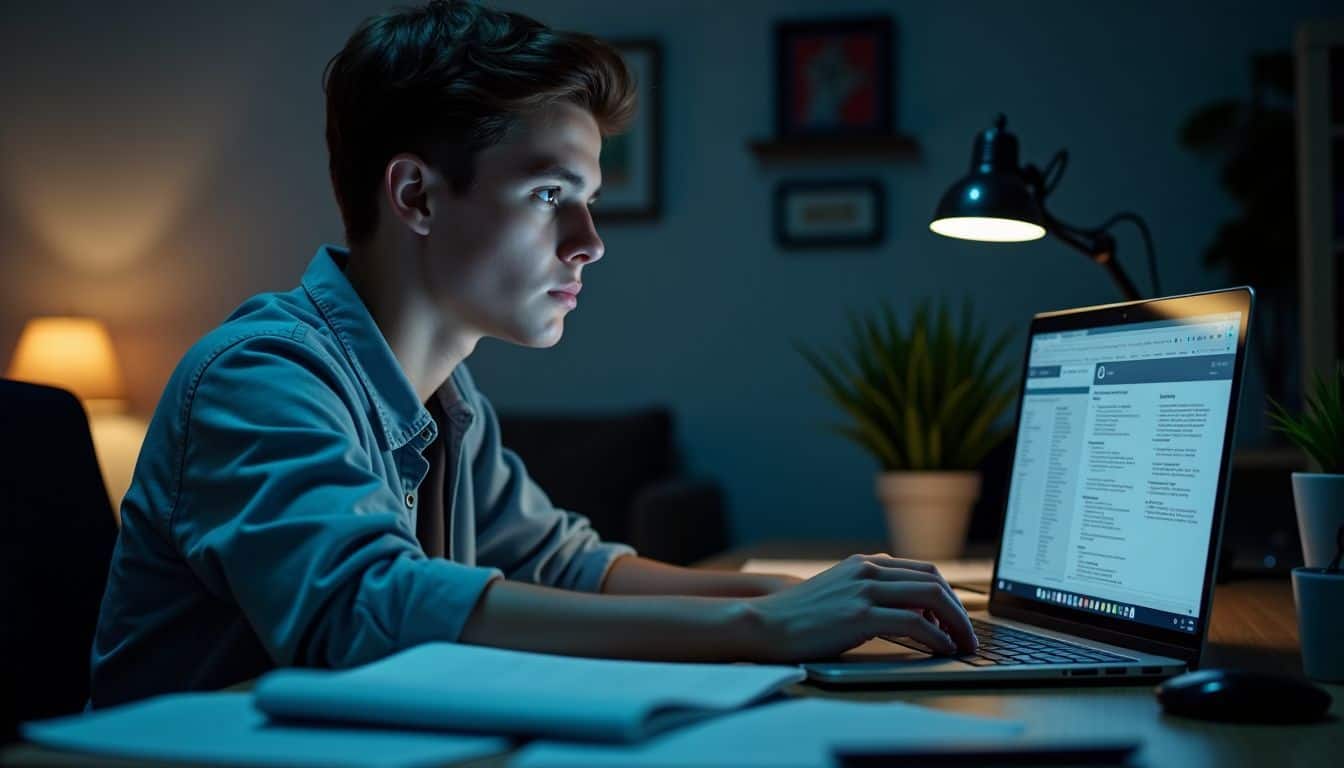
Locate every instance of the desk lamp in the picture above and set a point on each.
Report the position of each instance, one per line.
(998, 201)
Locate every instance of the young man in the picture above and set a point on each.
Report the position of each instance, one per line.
(322, 483)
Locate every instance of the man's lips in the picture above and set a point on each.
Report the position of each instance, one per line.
(567, 294)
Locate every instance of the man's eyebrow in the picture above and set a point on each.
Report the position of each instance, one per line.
(553, 169)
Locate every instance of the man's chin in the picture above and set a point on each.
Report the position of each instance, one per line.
(543, 338)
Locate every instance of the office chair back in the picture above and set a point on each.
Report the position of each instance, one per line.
(56, 537)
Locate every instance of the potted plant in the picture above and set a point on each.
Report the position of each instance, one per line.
(1318, 496)
(925, 402)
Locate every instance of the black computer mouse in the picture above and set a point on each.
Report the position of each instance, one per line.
(1243, 697)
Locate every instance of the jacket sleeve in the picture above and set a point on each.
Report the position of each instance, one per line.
(279, 509)
(518, 529)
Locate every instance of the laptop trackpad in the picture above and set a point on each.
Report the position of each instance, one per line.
(878, 649)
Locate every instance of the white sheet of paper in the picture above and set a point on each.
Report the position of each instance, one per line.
(952, 570)
(799, 733)
(226, 728)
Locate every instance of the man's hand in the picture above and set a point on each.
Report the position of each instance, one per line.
(860, 598)
(778, 582)
(655, 611)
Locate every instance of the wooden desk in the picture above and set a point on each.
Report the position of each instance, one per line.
(1253, 626)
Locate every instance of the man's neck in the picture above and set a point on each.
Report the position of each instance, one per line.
(427, 346)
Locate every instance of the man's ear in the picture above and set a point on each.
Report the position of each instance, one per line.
(406, 183)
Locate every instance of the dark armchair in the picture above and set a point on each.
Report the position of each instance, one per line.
(56, 537)
(622, 471)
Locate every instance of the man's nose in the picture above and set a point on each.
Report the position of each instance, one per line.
(583, 243)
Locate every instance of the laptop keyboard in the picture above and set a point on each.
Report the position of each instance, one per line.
(1003, 646)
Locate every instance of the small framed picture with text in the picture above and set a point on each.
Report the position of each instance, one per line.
(816, 214)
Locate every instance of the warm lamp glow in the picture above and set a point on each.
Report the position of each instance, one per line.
(987, 229)
(73, 353)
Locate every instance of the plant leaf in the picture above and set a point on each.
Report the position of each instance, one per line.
(914, 438)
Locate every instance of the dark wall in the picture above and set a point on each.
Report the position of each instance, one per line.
(162, 161)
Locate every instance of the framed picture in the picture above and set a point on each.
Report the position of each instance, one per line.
(632, 162)
(810, 214)
(833, 78)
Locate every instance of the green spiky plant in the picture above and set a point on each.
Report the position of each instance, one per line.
(926, 399)
(1319, 430)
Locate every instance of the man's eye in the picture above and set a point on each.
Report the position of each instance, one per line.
(550, 196)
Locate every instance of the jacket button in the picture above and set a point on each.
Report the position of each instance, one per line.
(410, 500)
(425, 435)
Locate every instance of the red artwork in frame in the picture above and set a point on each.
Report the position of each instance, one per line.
(833, 78)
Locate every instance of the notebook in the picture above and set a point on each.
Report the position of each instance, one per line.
(475, 689)
(227, 728)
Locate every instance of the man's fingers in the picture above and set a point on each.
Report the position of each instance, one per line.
(931, 596)
(899, 622)
(893, 573)
(883, 558)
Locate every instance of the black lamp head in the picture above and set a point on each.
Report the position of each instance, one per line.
(993, 202)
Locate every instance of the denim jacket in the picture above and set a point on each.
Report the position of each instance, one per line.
(271, 520)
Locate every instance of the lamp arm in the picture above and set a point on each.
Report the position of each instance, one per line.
(1097, 243)
(1142, 226)
(1099, 246)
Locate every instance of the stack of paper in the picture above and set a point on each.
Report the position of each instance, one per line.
(489, 690)
(431, 704)
(440, 703)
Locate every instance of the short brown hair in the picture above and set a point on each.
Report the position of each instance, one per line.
(447, 80)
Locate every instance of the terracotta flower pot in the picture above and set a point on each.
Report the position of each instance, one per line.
(928, 512)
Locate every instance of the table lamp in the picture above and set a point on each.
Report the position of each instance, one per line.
(998, 201)
(75, 353)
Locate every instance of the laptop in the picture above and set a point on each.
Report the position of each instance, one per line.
(1109, 544)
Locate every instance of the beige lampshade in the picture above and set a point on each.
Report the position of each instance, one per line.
(74, 353)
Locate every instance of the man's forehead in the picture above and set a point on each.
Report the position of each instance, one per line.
(553, 138)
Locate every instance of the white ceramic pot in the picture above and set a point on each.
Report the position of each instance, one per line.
(1319, 499)
(928, 512)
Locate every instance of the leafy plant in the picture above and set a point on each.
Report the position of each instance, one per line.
(1257, 245)
(923, 400)
(1320, 429)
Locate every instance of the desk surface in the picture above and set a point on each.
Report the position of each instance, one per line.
(1253, 626)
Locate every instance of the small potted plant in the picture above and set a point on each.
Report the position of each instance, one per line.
(925, 402)
(1318, 496)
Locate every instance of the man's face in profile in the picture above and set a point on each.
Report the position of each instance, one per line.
(501, 257)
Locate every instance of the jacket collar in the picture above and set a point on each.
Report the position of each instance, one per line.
(400, 414)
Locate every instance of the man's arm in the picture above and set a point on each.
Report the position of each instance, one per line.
(858, 599)
(276, 507)
(633, 575)
(518, 529)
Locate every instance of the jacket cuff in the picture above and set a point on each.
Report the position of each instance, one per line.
(449, 593)
(594, 564)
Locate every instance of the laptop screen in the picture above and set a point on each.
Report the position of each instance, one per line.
(1117, 468)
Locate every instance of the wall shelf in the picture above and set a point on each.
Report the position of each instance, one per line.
(808, 148)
